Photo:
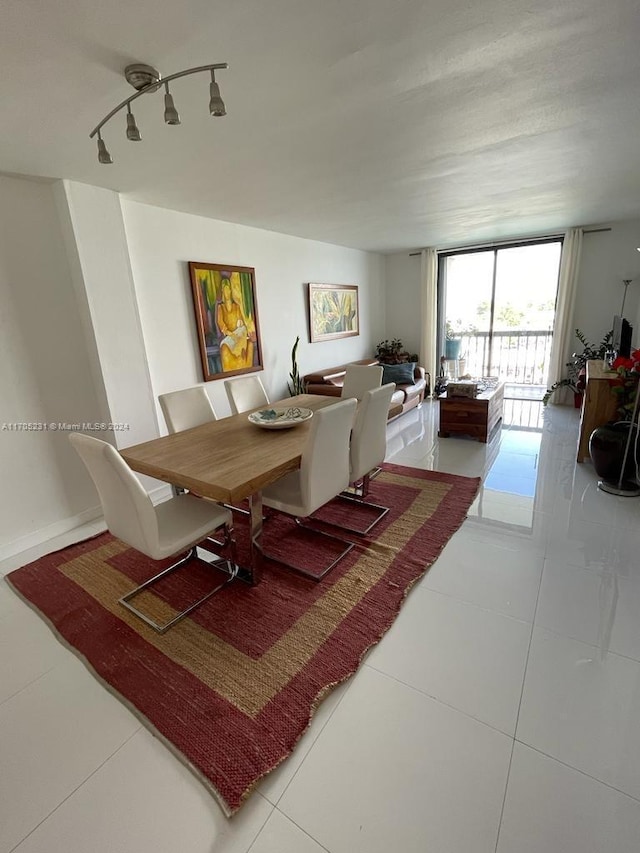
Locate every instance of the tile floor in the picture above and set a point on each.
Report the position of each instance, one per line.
(500, 713)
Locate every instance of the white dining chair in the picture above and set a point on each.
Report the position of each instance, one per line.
(245, 393)
(368, 449)
(162, 531)
(323, 474)
(187, 408)
(360, 378)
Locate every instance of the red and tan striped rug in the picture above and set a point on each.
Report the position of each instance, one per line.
(233, 688)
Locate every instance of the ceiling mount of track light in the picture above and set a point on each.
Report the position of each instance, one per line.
(145, 79)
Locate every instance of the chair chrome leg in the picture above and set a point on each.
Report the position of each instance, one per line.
(302, 571)
(360, 489)
(227, 566)
(383, 510)
(237, 509)
(356, 494)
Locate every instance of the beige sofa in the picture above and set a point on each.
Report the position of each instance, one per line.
(405, 397)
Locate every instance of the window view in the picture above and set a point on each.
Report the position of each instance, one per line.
(498, 313)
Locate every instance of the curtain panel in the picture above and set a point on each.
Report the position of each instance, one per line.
(429, 311)
(563, 329)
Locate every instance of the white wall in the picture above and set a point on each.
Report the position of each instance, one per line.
(607, 259)
(161, 242)
(402, 275)
(44, 373)
(106, 292)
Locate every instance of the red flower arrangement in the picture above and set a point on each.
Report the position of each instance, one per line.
(625, 386)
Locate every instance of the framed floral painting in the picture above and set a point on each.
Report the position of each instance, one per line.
(224, 298)
(333, 311)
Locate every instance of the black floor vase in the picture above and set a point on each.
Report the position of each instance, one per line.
(606, 448)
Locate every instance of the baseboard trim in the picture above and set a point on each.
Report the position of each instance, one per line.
(59, 528)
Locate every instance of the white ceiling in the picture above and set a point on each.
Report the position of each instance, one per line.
(370, 123)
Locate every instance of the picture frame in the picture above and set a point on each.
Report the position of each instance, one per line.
(224, 299)
(333, 311)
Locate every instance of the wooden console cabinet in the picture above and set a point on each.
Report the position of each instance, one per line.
(477, 417)
(599, 404)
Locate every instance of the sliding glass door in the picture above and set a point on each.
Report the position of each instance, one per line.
(497, 309)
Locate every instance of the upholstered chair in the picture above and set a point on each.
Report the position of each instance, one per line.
(323, 474)
(187, 408)
(368, 448)
(245, 393)
(173, 527)
(360, 378)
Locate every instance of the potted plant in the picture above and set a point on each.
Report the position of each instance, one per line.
(453, 339)
(452, 344)
(576, 368)
(296, 386)
(391, 352)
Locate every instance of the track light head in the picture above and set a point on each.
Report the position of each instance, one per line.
(216, 104)
(170, 112)
(133, 134)
(103, 155)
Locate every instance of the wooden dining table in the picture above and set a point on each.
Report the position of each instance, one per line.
(228, 460)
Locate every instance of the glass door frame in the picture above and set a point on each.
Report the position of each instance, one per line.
(490, 247)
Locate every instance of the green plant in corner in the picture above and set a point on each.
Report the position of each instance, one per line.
(575, 368)
(390, 352)
(296, 386)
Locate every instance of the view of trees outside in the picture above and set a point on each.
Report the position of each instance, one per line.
(526, 285)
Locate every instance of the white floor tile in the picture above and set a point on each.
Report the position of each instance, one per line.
(9, 602)
(488, 575)
(273, 786)
(143, 799)
(28, 649)
(53, 735)
(594, 546)
(280, 835)
(62, 541)
(582, 707)
(498, 526)
(551, 808)
(598, 608)
(591, 504)
(395, 770)
(469, 658)
(627, 512)
(580, 542)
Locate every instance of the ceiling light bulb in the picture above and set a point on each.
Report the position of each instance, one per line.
(103, 155)
(133, 134)
(170, 112)
(216, 104)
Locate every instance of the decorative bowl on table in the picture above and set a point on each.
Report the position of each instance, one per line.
(280, 418)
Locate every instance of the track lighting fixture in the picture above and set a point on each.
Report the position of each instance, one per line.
(146, 80)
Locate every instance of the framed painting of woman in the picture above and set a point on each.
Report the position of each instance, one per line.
(224, 298)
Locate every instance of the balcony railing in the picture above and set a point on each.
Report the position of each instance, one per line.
(518, 356)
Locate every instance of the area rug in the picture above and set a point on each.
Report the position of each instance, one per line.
(231, 689)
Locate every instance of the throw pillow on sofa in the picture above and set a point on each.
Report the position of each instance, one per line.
(401, 374)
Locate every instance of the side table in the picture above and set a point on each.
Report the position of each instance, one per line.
(478, 417)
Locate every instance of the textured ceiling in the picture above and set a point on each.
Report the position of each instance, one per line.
(369, 123)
